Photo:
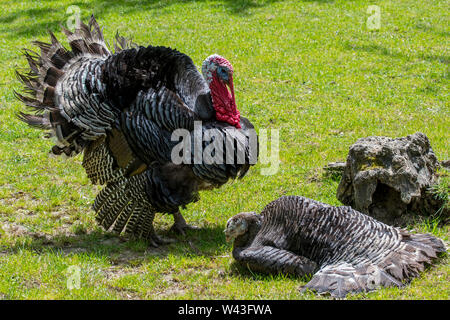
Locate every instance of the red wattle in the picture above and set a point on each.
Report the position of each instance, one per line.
(224, 102)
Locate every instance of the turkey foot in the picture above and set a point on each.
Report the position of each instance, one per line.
(180, 226)
(155, 240)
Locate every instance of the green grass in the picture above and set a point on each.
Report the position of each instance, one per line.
(309, 68)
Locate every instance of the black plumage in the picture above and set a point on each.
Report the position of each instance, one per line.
(120, 110)
(345, 250)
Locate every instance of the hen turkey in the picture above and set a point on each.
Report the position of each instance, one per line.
(346, 250)
(121, 110)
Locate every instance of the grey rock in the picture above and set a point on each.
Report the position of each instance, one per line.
(388, 178)
(334, 170)
(445, 164)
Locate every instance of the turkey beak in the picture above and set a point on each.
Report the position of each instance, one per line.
(229, 83)
(228, 234)
(233, 106)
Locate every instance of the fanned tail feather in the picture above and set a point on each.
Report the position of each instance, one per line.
(122, 206)
(122, 43)
(87, 39)
(99, 163)
(46, 68)
(395, 269)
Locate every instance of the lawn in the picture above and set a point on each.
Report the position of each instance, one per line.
(312, 69)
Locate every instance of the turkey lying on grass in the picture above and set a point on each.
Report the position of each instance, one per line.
(345, 250)
(121, 110)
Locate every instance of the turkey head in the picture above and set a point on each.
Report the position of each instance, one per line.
(218, 73)
(243, 226)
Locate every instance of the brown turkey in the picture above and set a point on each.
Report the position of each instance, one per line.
(345, 250)
(121, 111)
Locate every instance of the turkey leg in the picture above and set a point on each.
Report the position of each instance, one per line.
(155, 240)
(267, 259)
(180, 226)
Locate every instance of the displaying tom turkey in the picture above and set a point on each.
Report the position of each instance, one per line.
(345, 250)
(121, 110)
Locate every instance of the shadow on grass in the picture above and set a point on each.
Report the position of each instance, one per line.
(120, 250)
(50, 17)
(380, 50)
(430, 29)
(238, 270)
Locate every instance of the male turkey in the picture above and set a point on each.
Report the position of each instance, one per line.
(346, 250)
(121, 110)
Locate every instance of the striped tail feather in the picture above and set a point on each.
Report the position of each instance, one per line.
(49, 66)
(123, 207)
(87, 39)
(395, 269)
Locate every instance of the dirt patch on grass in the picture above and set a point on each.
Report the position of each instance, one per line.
(175, 287)
(126, 294)
(22, 219)
(13, 229)
(128, 257)
(17, 230)
(171, 291)
(115, 272)
(11, 200)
